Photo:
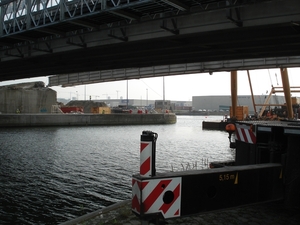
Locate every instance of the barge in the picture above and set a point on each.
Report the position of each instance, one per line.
(214, 125)
(266, 142)
(266, 168)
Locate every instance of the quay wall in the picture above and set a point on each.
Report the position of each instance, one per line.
(33, 120)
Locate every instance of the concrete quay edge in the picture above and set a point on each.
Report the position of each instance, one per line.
(96, 213)
(268, 213)
(34, 120)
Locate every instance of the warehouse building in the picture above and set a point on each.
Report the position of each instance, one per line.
(223, 102)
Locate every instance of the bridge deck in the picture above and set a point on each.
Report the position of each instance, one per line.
(80, 36)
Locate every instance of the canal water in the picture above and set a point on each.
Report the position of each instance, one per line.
(52, 175)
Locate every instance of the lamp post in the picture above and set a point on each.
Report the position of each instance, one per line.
(127, 94)
(147, 97)
(164, 94)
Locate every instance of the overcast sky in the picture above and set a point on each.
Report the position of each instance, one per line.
(181, 87)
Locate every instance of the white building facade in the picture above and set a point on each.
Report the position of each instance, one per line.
(223, 102)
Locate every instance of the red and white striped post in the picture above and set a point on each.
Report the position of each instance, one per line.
(147, 154)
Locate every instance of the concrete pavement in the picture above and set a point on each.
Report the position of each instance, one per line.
(273, 213)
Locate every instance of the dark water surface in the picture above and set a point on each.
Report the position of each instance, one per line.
(51, 175)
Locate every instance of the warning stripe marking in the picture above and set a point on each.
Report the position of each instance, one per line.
(143, 146)
(166, 207)
(245, 134)
(143, 184)
(136, 192)
(145, 158)
(135, 204)
(155, 194)
(153, 197)
(145, 167)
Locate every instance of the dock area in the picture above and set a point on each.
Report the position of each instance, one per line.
(271, 213)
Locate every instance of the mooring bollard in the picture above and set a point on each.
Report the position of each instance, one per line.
(147, 160)
(153, 197)
(147, 154)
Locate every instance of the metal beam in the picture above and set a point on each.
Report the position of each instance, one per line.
(233, 77)
(173, 30)
(205, 22)
(85, 24)
(23, 38)
(52, 31)
(125, 14)
(81, 44)
(287, 92)
(123, 33)
(177, 4)
(251, 90)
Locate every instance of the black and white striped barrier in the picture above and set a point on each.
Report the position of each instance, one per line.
(183, 193)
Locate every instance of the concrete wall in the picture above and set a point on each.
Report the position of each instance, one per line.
(26, 100)
(215, 103)
(32, 120)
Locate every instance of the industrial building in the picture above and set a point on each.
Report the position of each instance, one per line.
(223, 102)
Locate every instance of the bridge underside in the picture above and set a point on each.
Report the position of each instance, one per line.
(80, 78)
(262, 35)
